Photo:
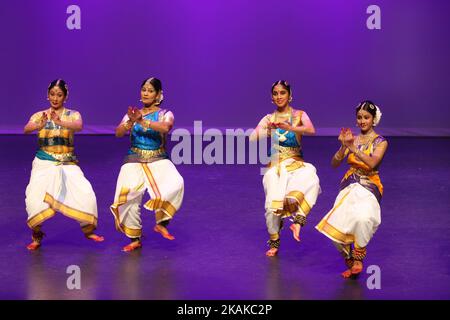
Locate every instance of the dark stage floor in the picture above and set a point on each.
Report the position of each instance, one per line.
(220, 233)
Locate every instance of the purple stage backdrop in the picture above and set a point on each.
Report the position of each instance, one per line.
(218, 59)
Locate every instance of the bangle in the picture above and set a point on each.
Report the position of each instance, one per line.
(336, 155)
(128, 124)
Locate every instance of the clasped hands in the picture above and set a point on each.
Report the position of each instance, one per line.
(279, 125)
(346, 138)
(45, 116)
(134, 114)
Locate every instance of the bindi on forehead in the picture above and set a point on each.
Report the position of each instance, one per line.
(56, 90)
(365, 115)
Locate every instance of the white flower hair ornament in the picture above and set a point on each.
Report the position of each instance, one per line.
(377, 118)
(160, 99)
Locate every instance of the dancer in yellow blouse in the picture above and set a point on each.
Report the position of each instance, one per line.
(355, 215)
(57, 182)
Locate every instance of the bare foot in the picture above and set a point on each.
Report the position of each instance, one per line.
(295, 228)
(164, 232)
(132, 246)
(347, 273)
(95, 237)
(272, 252)
(33, 246)
(37, 238)
(357, 268)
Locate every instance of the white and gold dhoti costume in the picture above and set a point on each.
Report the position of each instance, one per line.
(147, 168)
(57, 183)
(356, 213)
(164, 185)
(291, 185)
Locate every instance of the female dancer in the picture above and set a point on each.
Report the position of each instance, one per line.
(57, 182)
(356, 212)
(147, 167)
(290, 184)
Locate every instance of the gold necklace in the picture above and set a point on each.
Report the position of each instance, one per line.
(286, 114)
(364, 142)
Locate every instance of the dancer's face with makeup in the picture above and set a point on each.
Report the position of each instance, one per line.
(280, 96)
(56, 97)
(148, 94)
(364, 120)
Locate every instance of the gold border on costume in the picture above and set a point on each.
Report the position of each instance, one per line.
(356, 215)
(56, 183)
(164, 184)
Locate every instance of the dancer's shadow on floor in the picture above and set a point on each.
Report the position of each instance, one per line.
(283, 285)
(352, 289)
(138, 276)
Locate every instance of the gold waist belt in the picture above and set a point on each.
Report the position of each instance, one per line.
(286, 152)
(282, 149)
(149, 153)
(362, 172)
(69, 156)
